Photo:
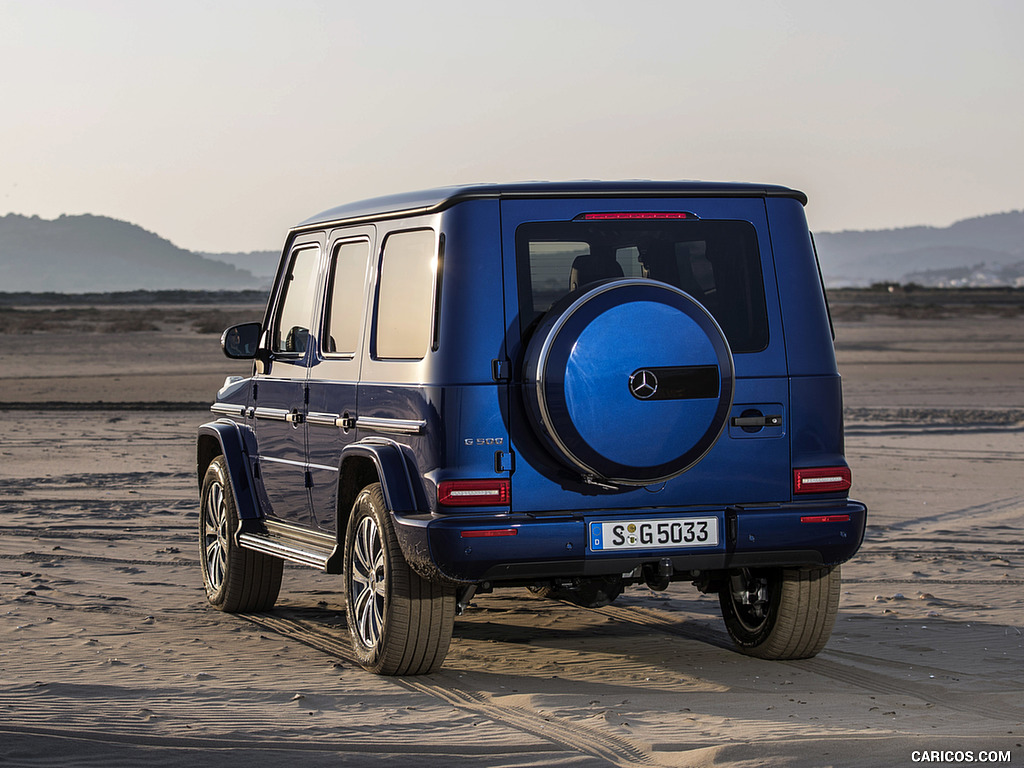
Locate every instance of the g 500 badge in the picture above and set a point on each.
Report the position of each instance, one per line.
(484, 441)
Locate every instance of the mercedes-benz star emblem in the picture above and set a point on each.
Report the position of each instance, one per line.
(643, 384)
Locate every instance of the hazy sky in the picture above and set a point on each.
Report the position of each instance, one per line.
(220, 124)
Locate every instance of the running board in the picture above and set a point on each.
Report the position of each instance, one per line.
(296, 545)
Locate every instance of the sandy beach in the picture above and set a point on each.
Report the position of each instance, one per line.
(109, 654)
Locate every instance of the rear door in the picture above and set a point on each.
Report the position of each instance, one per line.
(718, 252)
(335, 366)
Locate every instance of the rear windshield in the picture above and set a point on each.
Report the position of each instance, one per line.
(715, 262)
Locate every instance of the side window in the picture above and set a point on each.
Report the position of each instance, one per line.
(346, 298)
(406, 300)
(291, 329)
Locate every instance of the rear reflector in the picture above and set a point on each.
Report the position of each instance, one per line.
(821, 480)
(473, 493)
(489, 533)
(825, 519)
(637, 215)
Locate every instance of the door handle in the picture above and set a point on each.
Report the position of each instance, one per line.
(756, 421)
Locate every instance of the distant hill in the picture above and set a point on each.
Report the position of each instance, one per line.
(82, 254)
(986, 250)
(79, 254)
(263, 264)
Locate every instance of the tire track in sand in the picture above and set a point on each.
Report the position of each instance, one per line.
(830, 668)
(558, 731)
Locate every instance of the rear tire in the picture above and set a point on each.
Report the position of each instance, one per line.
(236, 579)
(400, 623)
(781, 613)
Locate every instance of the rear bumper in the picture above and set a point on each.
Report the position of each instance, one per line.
(555, 546)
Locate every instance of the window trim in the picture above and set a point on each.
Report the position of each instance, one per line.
(435, 342)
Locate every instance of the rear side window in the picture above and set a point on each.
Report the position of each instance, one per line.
(291, 331)
(405, 318)
(715, 262)
(346, 296)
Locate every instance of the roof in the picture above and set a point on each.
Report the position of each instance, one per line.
(434, 200)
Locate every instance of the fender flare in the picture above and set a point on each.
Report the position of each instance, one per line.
(229, 437)
(405, 499)
(392, 466)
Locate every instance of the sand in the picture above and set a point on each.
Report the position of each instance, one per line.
(110, 656)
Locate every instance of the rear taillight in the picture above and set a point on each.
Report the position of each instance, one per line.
(473, 493)
(821, 480)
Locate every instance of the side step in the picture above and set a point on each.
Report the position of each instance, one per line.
(296, 545)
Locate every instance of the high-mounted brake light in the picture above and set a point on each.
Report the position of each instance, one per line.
(821, 480)
(473, 493)
(638, 215)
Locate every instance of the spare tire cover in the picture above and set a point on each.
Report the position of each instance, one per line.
(628, 381)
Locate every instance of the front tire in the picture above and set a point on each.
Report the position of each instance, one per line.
(237, 580)
(400, 623)
(781, 613)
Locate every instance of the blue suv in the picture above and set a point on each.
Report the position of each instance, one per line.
(567, 387)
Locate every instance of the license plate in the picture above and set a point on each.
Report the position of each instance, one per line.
(654, 534)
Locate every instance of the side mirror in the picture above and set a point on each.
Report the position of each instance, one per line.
(240, 342)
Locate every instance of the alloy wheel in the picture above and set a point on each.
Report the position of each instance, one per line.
(751, 599)
(369, 582)
(215, 536)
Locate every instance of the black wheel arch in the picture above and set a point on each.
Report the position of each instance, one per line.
(225, 438)
(390, 463)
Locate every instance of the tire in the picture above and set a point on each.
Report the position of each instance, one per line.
(781, 613)
(237, 580)
(400, 623)
(594, 592)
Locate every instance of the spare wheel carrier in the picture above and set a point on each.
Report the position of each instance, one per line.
(628, 381)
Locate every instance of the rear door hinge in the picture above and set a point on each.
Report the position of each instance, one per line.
(504, 462)
(500, 369)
